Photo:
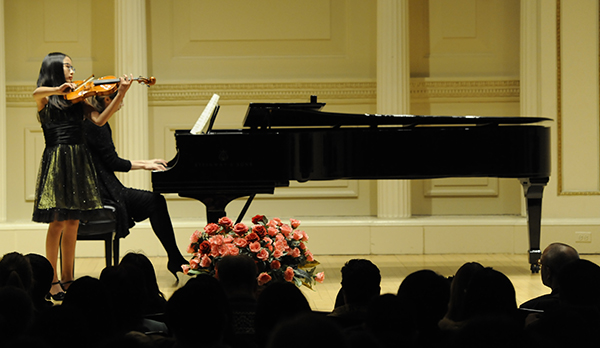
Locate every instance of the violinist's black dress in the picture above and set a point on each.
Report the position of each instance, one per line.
(66, 186)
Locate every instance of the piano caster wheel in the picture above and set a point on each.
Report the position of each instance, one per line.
(535, 268)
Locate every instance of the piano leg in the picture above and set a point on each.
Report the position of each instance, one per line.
(216, 203)
(533, 189)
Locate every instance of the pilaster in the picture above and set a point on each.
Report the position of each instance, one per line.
(131, 58)
(393, 95)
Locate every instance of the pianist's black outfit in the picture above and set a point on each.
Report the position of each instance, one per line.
(132, 205)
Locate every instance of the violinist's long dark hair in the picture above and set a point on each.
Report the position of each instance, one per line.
(52, 74)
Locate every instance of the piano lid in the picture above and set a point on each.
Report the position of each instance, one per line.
(268, 115)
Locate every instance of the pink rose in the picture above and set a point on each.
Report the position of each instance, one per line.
(275, 264)
(309, 256)
(320, 277)
(295, 252)
(280, 245)
(211, 229)
(185, 268)
(205, 262)
(304, 236)
(194, 263)
(190, 248)
(214, 251)
(226, 223)
(241, 242)
(228, 239)
(263, 255)
(267, 240)
(240, 229)
(272, 231)
(278, 253)
(255, 247)
(223, 250)
(272, 223)
(263, 278)
(295, 223)
(233, 250)
(296, 235)
(286, 230)
(195, 236)
(288, 275)
(216, 240)
(277, 221)
(302, 246)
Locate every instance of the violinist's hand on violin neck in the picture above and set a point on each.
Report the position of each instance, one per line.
(125, 82)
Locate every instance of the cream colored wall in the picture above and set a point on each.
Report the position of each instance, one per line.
(464, 60)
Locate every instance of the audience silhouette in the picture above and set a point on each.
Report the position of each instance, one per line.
(554, 258)
(276, 302)
(42, 273)
(124, 307)
(361, 282)
(198, 314)
(153, 300)
(456, 306)
(424, 296)
(575, 321)
(237, 275)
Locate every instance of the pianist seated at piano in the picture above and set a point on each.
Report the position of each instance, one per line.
(132, 205)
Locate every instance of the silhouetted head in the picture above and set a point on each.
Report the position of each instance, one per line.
(153, 300)
(15, 270)
(200, 297)
(361, 281)
(43, 273)
(490, 292)
(237, 274)
(425, 295)
(276, 302)
(458, 287)
(554, 258)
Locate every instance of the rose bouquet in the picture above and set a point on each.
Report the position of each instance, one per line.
(278, 249)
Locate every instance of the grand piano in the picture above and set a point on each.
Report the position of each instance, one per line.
(221, 165)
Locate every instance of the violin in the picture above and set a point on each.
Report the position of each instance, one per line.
(102, 86)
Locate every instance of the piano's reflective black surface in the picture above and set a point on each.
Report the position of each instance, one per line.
(308, 144)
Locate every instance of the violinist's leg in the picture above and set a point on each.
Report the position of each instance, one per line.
(52, 246)
(69, 240)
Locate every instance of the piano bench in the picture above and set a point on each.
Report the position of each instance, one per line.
(103, 229)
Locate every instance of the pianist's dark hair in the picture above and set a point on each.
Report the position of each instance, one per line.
(52, 74)
(98, 101)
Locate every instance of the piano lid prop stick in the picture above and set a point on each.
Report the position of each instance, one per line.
(202, 121)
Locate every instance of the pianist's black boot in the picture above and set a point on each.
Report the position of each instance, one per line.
(163, 228)
(141, 205)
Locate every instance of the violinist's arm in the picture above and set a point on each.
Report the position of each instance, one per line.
(101, 118)
(41, 94)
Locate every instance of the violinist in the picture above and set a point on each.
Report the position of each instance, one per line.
(67, 189)
(132, 205)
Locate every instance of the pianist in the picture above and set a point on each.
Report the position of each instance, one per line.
(132, 205)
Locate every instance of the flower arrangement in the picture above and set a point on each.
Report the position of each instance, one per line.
(278, 249)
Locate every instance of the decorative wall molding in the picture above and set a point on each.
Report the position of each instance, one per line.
(449, 90)
(421, 90)
(559, 112)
